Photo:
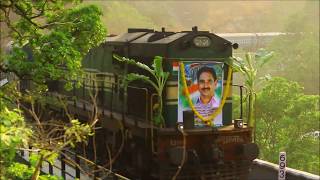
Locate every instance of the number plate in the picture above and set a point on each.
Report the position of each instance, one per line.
(282, 166)
(202, 41)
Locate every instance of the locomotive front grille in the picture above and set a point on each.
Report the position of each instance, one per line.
(223, 171)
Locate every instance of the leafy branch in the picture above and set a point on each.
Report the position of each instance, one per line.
(157, 73)
(249, 68)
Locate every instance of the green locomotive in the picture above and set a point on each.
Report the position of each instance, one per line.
(178, 149)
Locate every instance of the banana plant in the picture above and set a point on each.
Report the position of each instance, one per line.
(159, 75)
(249, 67)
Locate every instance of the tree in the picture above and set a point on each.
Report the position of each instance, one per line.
(284, 118)
(249, 68)
(56, 38)
(49, 41)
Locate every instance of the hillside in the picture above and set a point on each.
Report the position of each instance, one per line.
(235, 16)
(216, 16)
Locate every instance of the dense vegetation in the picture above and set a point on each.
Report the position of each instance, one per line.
(288, 108)
(241, 16)
(286, 121)
(57, 37)
(216, 16)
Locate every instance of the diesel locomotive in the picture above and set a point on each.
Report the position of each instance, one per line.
(176, 149)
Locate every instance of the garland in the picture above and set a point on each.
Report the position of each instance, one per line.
(207, 120)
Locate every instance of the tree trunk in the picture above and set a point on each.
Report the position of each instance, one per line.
(251, 118)
(36, 173)
(251, 110)
(160, 110)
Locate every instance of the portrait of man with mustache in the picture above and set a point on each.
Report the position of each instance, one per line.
(206, 103)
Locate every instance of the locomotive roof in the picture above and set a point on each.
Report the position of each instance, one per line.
(164, 40)
(148, 43)
(148, 36)
(127, 37)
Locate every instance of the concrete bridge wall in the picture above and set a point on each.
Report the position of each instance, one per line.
(263, 170)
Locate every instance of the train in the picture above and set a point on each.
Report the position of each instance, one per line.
(184, 146)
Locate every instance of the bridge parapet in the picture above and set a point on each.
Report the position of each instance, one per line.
(251, 41)
(263, 170)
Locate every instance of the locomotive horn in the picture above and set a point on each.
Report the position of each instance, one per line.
(195, 28)
(235, 45)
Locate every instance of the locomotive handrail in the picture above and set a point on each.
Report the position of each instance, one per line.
(241, 107)
(151, 115)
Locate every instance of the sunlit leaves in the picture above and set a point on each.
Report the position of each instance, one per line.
(12, 127)
(49, 41)
(250, 65)
(133, 62)
(20, 171)
(84, 25)
(77, 132)
(55, 53)
(262, 57)
(284, 116)
(13, 134)
(133, 77)
(249, 68)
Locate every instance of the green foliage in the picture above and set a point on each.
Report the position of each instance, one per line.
(249, 69)
(50, 157)
(50, 40)
(281, 92)
(133, 77)
(49, 177)
(13, 134)
(18, 171)
(56, 43)
(250, 66)
(285, 117)
(160, 79)
(77, 132)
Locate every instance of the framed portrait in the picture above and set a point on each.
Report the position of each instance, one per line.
(204, 81)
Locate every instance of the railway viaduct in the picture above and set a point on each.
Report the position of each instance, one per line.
(261, 170)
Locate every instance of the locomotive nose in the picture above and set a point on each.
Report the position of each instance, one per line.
(177, 155)
(250, 151)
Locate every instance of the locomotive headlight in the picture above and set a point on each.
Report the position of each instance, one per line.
(180, 126)
(238, 123)
(202, 41)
